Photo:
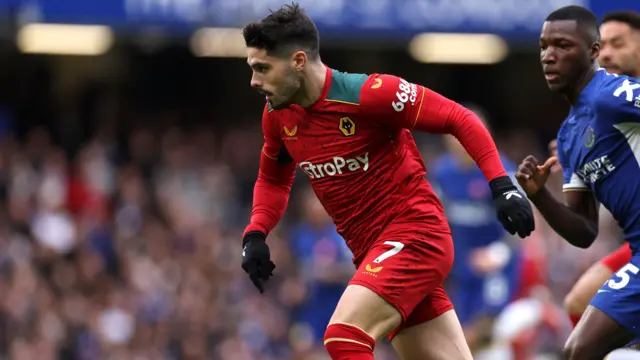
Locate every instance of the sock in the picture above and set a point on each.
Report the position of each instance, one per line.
(347, 342)
(575, 318)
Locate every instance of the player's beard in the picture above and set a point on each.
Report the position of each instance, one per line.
(288, 93)
(627, 64)
(631, 69)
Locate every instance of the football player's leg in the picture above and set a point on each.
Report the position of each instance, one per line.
(432, 332)
(596, 335)
(361, 318)
(390, 282)
(611, 320)
(585, 289)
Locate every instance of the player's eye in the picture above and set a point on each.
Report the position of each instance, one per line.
(617, 44)
(261, 69)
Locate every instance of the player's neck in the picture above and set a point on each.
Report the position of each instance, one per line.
(312, 84)
(573, 94)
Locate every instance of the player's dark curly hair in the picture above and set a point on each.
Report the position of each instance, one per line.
(284, 31)
(629, 17)
(586, 19)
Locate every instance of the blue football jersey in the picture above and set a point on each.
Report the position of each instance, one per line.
(599, 148)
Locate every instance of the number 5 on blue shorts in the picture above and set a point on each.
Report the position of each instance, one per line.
(619, 297)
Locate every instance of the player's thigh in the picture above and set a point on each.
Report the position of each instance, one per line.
(586, 288)
(619, 296)
(393, 278)
(612, 318)
(595, 336)
(432, 332)
(363, 308)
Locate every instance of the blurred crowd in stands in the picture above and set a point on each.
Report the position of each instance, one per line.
(128, 247)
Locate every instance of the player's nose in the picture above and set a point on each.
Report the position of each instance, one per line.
(604, 56)
(255, 82)
(548, 57)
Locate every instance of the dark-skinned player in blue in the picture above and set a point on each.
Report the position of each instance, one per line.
(619, 54)
(350, 134)
(599, 150)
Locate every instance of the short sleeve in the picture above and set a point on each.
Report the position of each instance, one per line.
(391, 99)
(619, 100)
(571, 181)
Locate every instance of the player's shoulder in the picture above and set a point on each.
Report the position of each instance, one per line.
(614, 90)
(378, 83)
(608, 81)
(387, 94)
(346, 87)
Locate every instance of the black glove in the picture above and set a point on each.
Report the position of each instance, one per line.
(256, 259)
(513, 208)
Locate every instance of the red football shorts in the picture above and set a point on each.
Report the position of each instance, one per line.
(408, 271)
(618, 258)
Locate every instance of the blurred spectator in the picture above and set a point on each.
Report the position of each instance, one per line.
(486, 271)
(325, 268)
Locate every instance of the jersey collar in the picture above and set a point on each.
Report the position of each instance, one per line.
(588, 90)
(325, 90)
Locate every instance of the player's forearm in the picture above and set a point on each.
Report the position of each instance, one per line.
(477, 141)
(270, 195)
(578, 230)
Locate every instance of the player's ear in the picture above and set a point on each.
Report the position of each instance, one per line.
(595, 50)
(299, 60)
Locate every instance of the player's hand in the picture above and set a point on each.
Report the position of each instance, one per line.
(532, 176)
(553, 150)
(256, 259)
(512, 208)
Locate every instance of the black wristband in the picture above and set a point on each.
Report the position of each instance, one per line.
(253, 236)
(500, 185)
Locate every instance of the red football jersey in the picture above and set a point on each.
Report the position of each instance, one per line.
(355, 146)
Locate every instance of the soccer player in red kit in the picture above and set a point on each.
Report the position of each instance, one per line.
(351, 135)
